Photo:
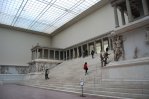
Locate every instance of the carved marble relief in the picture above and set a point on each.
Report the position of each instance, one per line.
(118, 47)
(135, 53)
(41, 67)
(4, 70)
(21, 70)
(37, 67)
(13, 69)
(32, 68)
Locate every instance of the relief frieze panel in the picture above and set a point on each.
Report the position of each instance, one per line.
(118, 47)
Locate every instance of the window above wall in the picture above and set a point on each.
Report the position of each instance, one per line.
(41, 15)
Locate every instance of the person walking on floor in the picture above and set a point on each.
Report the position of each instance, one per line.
(86, 68)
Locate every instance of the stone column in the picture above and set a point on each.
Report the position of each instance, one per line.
(32, 55)
(69, 54)
(54, 54)
(109, 42)
(42, 53)
(145, 7)
(95, 47)
(123, 17)
(88, 48)
(130, 17)
(66, 54)
(63, 55)
(77, 52)
(37, 54)
(48, 54)
(59, 55)
(116, 17)
(82, 50)
(73, 52)
(102, 45)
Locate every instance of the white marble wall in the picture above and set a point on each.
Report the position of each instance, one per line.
(138, 72)
(15, 46)
(136, 39)
(131, 68)
(126, 75)
(95, 24)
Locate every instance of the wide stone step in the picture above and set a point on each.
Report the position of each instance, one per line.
(100, 88)
(122, 90)
(96, 92)
(118, 88)
(127, 86)
(120, 94)
(92, 85)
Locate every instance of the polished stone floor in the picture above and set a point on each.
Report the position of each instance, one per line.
(10, 91)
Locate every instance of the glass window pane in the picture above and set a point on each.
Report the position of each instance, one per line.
(41, 15)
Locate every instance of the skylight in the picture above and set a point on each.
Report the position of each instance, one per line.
(41, 15)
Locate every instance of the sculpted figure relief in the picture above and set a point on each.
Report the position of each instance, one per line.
(4, 70)
(21, 70)
(41, 67)
(32, 68)
(118, 47)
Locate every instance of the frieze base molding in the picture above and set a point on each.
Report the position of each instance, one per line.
(131, 62)
(13, 69)
(39, 65)
(15, 78)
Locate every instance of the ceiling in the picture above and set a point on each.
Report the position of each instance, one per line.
(44, 16)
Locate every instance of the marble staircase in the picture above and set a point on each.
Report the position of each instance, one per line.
(66, 77)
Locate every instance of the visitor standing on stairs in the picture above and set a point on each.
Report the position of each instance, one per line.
(46, 74)
(106, 56)
(92, 53)
(85, 68)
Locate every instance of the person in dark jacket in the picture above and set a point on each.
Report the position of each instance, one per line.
(46, 74)
(86, 68)
(92, 53)
(106, 56)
